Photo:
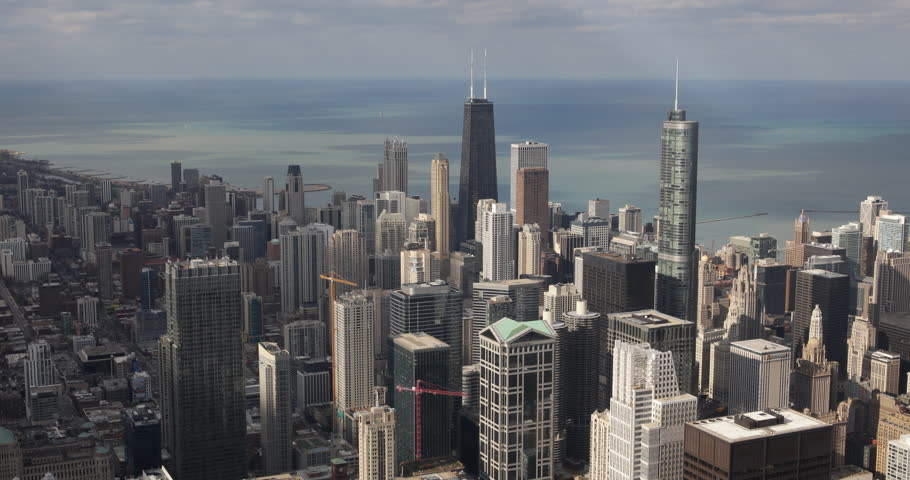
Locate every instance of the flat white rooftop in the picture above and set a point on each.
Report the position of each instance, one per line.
(727, 429)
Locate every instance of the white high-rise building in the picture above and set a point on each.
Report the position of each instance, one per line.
(599, 208)
(391, 231)
(899, 459)
(759, 376)
(892, 230)
(743, 318)
(516, 429)
(87, 311)
(892, 281)
(440, 201)
(869, 210)
(529, 250)
(600, 446)
(527, 154)
(303, 259)
(559, 299)
(647, 415)
(294, 195)
(353, 352)
(268, 194)
(419, 266)
(376, 443)
(498, 248)
(275, 408)
(630, 219)
(850, 238)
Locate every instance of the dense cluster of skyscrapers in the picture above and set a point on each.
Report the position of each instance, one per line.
(387, 335)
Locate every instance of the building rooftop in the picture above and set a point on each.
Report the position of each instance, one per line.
(768, 423)
(436, 286)
(649, 318)
(419, 341)
(760, 345)
(823, 273)
(6, 437)
(508, 329)
(616, 257)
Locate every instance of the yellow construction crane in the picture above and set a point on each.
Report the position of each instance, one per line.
(333, 278)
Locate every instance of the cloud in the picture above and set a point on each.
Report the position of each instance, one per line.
(297, 37)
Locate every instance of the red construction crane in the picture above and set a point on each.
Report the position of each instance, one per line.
(421, 388)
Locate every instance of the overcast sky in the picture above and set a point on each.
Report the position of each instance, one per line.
(780, 39)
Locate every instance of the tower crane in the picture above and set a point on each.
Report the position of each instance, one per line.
(418, 390)
(333, 278)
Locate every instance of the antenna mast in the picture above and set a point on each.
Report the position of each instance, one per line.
(484, 73)
(471, 96)
(676, 98)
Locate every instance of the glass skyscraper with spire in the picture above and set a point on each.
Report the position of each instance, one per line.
(677, 257)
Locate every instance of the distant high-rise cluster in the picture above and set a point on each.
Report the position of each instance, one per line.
(198, 329)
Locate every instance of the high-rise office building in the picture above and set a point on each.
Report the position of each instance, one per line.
(268, 194)
(303, 259)
(647, 412)
(531, 195)
(884, 372)
(97, 227)
(899, 458)
(347, 257)
(518, 443)
(251, 308)
(305, 338)
(892, 231)
(419, 265)
(618, 283)
(40, 376)
(217, 214)
(528, 154)
(395, 165)
(630, 219)
(21, 188)
(771, 287)
(142, 439)
(434, 308)
(801, 235)
(783, 441)
(201, 371)
(176, 177)
(527, 298)
(529, 248)
(391, 232)
(892, 281)
(813, 376)
(439, 201)
(707, 307)
(353, 353)
(831, 293)
(869, 210)
(661, 331)
(560, 299)
(743, 316)
(104, 256)
(478, 162)
(759, 375)
(850, 238)
(419, 356)
(422, 231)
(498, 246)
(294, 195)
(677, 257)
(594, 231)
(376, 443)
(599, 467)
(275, 408)
(599, 208)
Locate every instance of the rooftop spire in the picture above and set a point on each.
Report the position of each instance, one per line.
(484, 73)
(676, 98)
(471, 95)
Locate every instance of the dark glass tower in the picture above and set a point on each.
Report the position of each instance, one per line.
(478, 163)
(677, 258)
